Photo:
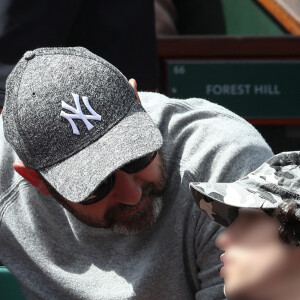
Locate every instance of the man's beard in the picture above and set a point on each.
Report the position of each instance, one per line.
(151, 200)
(140, 220)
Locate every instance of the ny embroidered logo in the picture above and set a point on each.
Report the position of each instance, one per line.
(78, 114)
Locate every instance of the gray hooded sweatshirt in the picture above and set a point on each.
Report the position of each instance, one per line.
(55, 256)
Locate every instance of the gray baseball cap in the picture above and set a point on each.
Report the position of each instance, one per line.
(275, 182)
(74, 117)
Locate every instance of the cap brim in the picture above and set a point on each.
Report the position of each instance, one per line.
(221, 201)
(78, 176)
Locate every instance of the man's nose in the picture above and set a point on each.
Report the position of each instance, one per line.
(128, 188)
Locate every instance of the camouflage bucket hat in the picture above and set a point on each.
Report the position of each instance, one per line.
(275, 182)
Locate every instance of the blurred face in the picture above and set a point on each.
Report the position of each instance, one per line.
(257, 265)
(133, 204)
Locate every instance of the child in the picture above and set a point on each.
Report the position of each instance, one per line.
(261, 211)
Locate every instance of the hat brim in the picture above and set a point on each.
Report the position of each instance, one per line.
(221, 201)
(78, 176)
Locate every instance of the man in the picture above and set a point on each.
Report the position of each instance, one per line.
(129, 229)
(262, 257)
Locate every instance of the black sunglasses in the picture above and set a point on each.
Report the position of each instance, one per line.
(105, 187)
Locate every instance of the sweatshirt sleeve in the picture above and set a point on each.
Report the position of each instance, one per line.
(206, 143)
(222, 148)
(208, 260)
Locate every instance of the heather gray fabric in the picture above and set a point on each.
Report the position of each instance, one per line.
(276, 182)
(55, 256)
(54, 134)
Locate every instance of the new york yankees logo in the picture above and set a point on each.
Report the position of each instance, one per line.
(78, 114)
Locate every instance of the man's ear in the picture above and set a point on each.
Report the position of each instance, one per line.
(134, 85)
(31, 176)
